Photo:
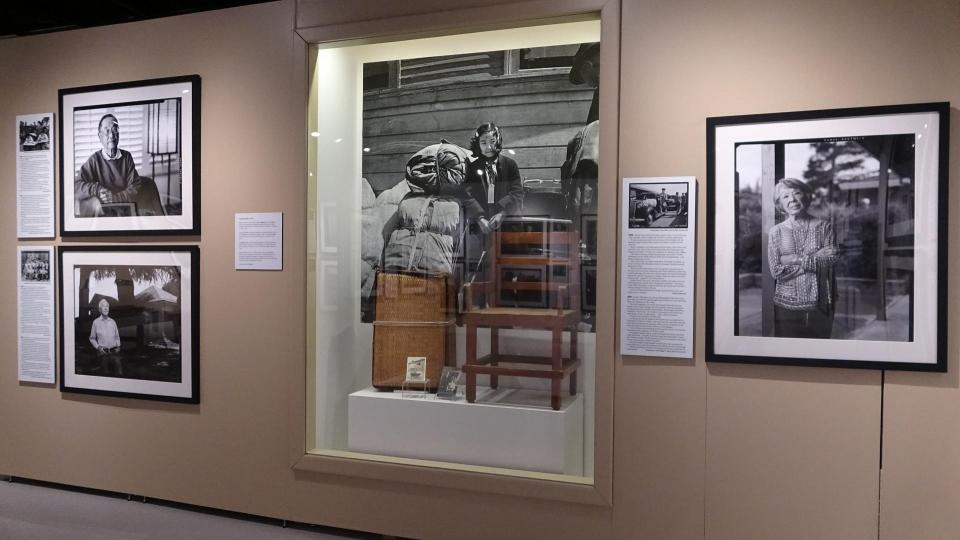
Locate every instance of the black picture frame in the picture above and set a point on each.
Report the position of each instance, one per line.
(887, 319)
(162, 117)
(153, 293)
(588, 237)
(530, 287)
(588, 287)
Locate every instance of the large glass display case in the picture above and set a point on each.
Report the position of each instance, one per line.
(453, 251)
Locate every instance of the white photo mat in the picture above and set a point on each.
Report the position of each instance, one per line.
(186, 91)
(69, 309)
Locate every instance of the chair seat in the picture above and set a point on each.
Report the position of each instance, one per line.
(521, 312)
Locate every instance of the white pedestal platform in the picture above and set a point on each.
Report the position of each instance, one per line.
(509, 428)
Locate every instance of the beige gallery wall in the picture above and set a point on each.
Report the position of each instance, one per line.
(718, 451)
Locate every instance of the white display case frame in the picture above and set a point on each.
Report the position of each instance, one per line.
(317, 414)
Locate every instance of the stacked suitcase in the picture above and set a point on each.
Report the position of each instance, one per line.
(415, 318)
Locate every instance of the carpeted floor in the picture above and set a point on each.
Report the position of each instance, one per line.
(33, 511)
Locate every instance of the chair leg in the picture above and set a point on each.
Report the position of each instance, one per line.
(573, 357)
(573, 342)
(494, 354)
(471, 360)
(557, 360)
(555, 393)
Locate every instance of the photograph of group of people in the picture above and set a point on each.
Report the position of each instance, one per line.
(34, 136)
(454, 147)
(35, 265)
(825, 238)
(658, 205)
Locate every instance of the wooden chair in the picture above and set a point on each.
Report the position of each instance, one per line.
(533, 283)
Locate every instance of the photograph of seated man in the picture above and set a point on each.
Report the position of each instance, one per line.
(109, 177)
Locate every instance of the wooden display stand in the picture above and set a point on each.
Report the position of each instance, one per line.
(514, 298)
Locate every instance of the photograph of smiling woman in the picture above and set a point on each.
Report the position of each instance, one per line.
(802, 251)
(825, 238)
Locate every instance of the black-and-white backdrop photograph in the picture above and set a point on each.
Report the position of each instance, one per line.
(128, 320)
(842, 208)
(454, 146)
(128, 157)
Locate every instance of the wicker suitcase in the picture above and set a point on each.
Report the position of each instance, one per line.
(415, 317)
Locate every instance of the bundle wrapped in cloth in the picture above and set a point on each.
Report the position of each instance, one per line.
(579, 171)
(437, 167)
(429, 222)
(379, 221)
(371, 241)
(428, 237)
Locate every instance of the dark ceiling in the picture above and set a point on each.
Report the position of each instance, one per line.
(26, 18)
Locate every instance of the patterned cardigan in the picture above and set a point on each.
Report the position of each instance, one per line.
(809, 283)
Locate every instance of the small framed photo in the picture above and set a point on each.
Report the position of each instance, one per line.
(129, 321)
(449, 382)
(416, 369)
(130, 158)
(588, 288)
(523, 286)
(523, 237)
(828, 238)
(588, 235)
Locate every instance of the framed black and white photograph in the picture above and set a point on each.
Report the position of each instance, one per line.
(828, 237)
(449, 383)
(130, 158)
(523, 286)
(129, 321)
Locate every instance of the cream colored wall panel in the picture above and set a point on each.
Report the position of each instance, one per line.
(658, 457)
(920, 487)
(660, 420)
(921, 456)
(792, 453)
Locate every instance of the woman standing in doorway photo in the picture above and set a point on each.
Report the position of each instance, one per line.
(802, 251)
